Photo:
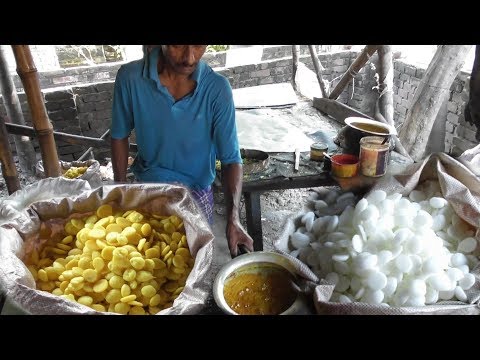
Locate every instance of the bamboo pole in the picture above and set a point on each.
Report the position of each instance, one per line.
(353, 70)
(318, 70)
(28, 74)
(9, 170)
(295, 54)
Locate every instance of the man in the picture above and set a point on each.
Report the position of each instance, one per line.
(472, 108)
(184, 119)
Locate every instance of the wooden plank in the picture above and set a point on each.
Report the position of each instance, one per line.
(281, 183)
(336, 109)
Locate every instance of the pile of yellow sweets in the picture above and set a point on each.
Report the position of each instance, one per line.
(126, 263)
(75, 172)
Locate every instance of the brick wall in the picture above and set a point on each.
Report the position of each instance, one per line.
(62, 112)
(94, 74)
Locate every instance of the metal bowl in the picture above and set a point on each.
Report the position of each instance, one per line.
(299, 306)
(254, 160)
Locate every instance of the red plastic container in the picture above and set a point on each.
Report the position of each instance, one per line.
(344, 165)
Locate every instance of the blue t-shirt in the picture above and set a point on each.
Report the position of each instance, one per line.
(178, 141)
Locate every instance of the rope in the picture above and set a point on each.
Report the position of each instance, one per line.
(44, 132)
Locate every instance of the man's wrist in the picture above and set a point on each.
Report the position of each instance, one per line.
(120, 179)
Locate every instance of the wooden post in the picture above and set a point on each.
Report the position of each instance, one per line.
(318, 70)
(28, 74)
(24, 147)
(353, 70)
(295, 53)
(9, 170)
(385, 83)
(443, 69)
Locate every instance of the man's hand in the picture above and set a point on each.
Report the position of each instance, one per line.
(236, 235)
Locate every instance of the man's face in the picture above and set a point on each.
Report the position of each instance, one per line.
(184, 58)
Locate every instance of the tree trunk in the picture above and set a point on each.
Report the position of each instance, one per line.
(9, 170)
(353, 70)
(28, 74)
(24, 147)
(295, 53)
(385, 83)
(444, 67)
(318, 70)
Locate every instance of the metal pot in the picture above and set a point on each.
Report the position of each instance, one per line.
(356, 128)
(299, 306)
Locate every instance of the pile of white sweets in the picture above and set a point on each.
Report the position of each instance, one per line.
(388, 250)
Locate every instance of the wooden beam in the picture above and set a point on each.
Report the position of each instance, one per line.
(60, 136)
(337, 110)
(28, 74)
(318, 70)
(353, 70)
(9, 169)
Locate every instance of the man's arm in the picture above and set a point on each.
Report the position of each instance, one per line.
(119, 149)
(232, 188)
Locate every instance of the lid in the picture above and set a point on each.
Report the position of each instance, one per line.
(319, 146)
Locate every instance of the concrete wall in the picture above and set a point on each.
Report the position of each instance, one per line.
(83, 104)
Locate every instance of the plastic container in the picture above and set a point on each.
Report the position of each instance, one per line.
(344, 165)
(374, 156)
(317, 151)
